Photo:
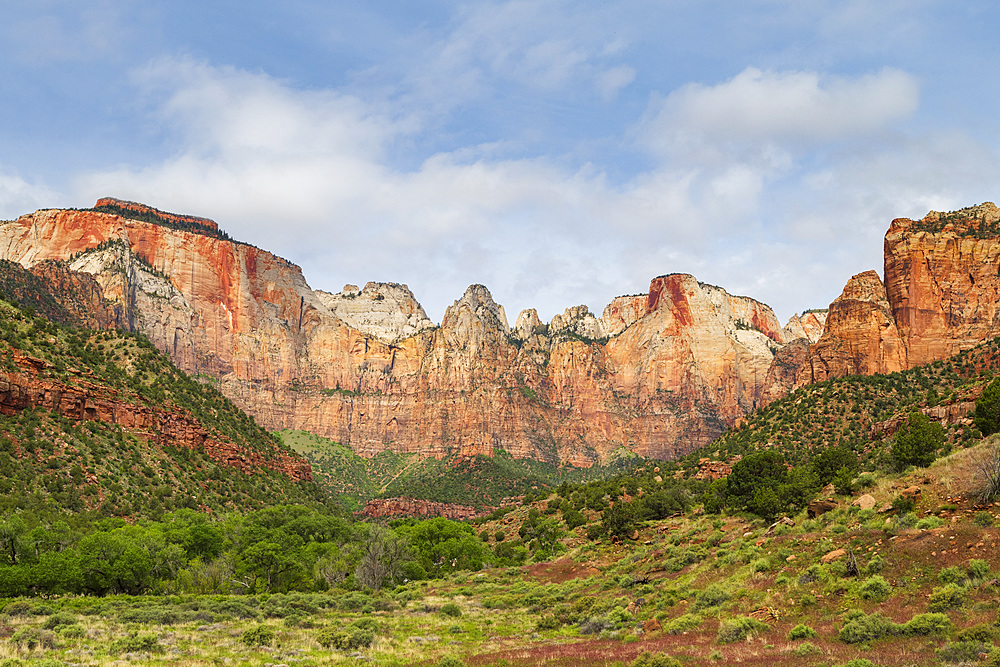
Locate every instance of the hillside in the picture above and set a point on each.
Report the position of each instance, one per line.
(100, 422)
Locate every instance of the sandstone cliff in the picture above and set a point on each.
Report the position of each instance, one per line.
(941, 295)
(657, 374)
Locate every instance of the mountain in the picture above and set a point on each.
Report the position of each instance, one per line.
(101, 421)
(941, 295)
(657, 374)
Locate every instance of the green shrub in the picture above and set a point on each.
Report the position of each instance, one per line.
(681, 624)
(760, 565)
(55, 621)
(951, 575)
(930, 522)
(866, 628)
(548, 622)
(875, 565)
(72, 632)
(858, 662)
(963, 651)
(983, 519)
(17, 608)
(928, 624)
(647, 659)
(740, 627)
(801, 631)
(980, 633)
(451, 609)
(806, 649)
(260, 635)
(451, 661)
(713, 596)
(136, 643)
(943, 598)
(875, 588)
(352, 637)
(978, 569)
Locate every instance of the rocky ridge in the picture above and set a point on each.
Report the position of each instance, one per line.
(658, 374)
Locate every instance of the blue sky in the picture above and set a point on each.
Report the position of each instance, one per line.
(561, 153)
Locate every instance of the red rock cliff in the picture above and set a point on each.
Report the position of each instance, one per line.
(659, 374)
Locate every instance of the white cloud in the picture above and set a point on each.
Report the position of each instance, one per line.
(789, 109)
(309, 174)
(17, 196)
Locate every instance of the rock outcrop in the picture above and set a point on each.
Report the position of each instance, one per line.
(861, 337)
(381, 508)
(941, 295)
(657, 374)
(85, 399)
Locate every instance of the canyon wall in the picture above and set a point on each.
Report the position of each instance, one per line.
(941, 295)
(657, 374)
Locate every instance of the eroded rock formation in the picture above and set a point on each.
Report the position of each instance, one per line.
(658, 374)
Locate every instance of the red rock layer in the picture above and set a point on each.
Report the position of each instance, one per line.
(89, 400)
(388, 507)
(136, 207)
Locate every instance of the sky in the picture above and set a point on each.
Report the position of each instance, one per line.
(560, 153)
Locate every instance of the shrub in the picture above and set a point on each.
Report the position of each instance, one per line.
(943, 598)
(450, 661)
(875, 565)
(647, 659)
(875, 588)
(681, 624)
(18, 608)
(54, 621)
(74, 631)
(980, 633)
(760, 565)
(983, 519)
(354, 636)
(929, 522)
(917, 441)
(858, 662)
(951, 575)
(928, 624)
(801, 631)
(713, 596)
(806, 649)
(451, 609)
(978, 569)
(260, 635)
(136, 643)
(963, 651)
(865, 628)
(740, 627)
(548, 622)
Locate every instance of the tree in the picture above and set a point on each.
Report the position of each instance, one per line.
(754, 472)
(828, 463)
(917, 441)
(765, 504)
(382, 557)
(619, 519)
(987, 414)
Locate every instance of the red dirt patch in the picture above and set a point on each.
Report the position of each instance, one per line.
(560, 571)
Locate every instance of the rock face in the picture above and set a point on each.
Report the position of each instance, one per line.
(861, 336)
(941, 295)
(388, 507)
(941, 279)
(87, 400)
(657, 374)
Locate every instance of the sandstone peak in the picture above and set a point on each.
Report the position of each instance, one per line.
(623, 312)
(578, 320)
(477, 301)
(809, 325)
(528, 324)
(386, 311)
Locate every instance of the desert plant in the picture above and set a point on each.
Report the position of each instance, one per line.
(713, 596)
(259, 635)
(875, 588)
(917, 441)
(865, 628)
(987, 466)
(983, 519)
(740, 627)
(943, 598)
(801, 631)
(136, 643)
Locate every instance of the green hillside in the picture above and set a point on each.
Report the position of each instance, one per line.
(54, 464)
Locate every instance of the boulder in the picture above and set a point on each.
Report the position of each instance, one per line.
(818, 507)
(865, 502)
